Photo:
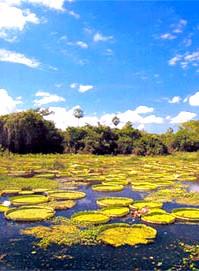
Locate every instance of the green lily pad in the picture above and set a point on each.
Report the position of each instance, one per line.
(115, 211)
(114, 201)
(70, 195)
(148, 204)
(28, 200)
(188, 214)
(119, 235)
(29, 213)
(107, 187)
(90, 217)
(158, 216)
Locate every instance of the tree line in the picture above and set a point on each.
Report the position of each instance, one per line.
(29, 132)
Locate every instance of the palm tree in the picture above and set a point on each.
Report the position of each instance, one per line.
(78, 113)
(116, 121)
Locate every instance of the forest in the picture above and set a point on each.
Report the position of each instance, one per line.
(29, 132)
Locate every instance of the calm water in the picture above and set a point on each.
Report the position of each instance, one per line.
(18, 252)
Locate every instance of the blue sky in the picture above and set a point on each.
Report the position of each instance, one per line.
(139, 60)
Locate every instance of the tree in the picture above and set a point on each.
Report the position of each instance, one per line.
(78, 113)
(115, 121)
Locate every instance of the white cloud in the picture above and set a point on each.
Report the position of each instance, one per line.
(194, 99)
(168, 36)
(64, 118)
(183, 117)
(179, 27)
(82, 44)
(142, 109)
(14, 57)
(100, 37)
(175, 100)
(7, 103)
(46, 98)
(14, 19)
(81, 88)
(53, 4)
(185, 60)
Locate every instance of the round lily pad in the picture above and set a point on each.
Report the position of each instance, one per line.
(28, 200)
(188, 214)
(107, 187)
(114, 201)
(90, 217)
(145, 204)
(119, 235)
(158, 216)
(60, 204)
(71, 195)
(29, 213)
(3, 208)
(144, 187)
(115, 211)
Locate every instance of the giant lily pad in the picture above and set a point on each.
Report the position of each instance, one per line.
(70, 195)
(148, 204)
(3, 208)
(60, 204)
(114, 201)
(107, 187)
(119, 235)
(188, 214)
(144, 186)
(115, 211)
(90, 217)
(29, 213)
(28, 200)
(158, 216)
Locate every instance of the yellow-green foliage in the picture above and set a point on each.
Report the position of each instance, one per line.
(158, 216)
(115, 211)
(107, 187)
(144, 187)
(60, 204)
(189, 214)
(70, 195)
(29, 213)
(28, 200)
(114, 201)
(118, 235)
(148, 204)
(90, 217)
(3, 208)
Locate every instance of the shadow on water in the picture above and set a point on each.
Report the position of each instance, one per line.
(18, 252)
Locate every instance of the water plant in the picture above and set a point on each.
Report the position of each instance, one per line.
(187, 214)
(146, 204)
(114, 201)
(158, 216)
(28, 200)
(67, 195)
(119, 235)
(90, 218)
(115, 211)
(29, 213)
(107, 187)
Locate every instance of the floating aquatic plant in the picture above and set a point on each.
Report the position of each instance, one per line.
(29, 213)
(28, 200)
(114, 201)
(64, 195)
(107, 187)
(188, 214)
(158, 216)
(119, 235)
(90, 217)
(148, 204)
(115, 211)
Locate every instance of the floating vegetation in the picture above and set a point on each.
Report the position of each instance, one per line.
(115, 211)
(158, 216)
(144, 187)
(188, 214)
(60, 204)
(3, 208)
(119, 235)
(29, 213)
(146, 204)
(114, 201)
(70, 195)
(108, 187)
(10, 192)
(28, 200)
(90, 217)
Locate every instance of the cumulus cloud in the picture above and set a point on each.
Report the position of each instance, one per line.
(98, 37)
(64, 118)
(194, 99)
(142, 109)
(7, 103)
(81, 88)
(175, 100)
(46, 98)
(14, 57)
(175, 30)
(185, 60)
(183, 117)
